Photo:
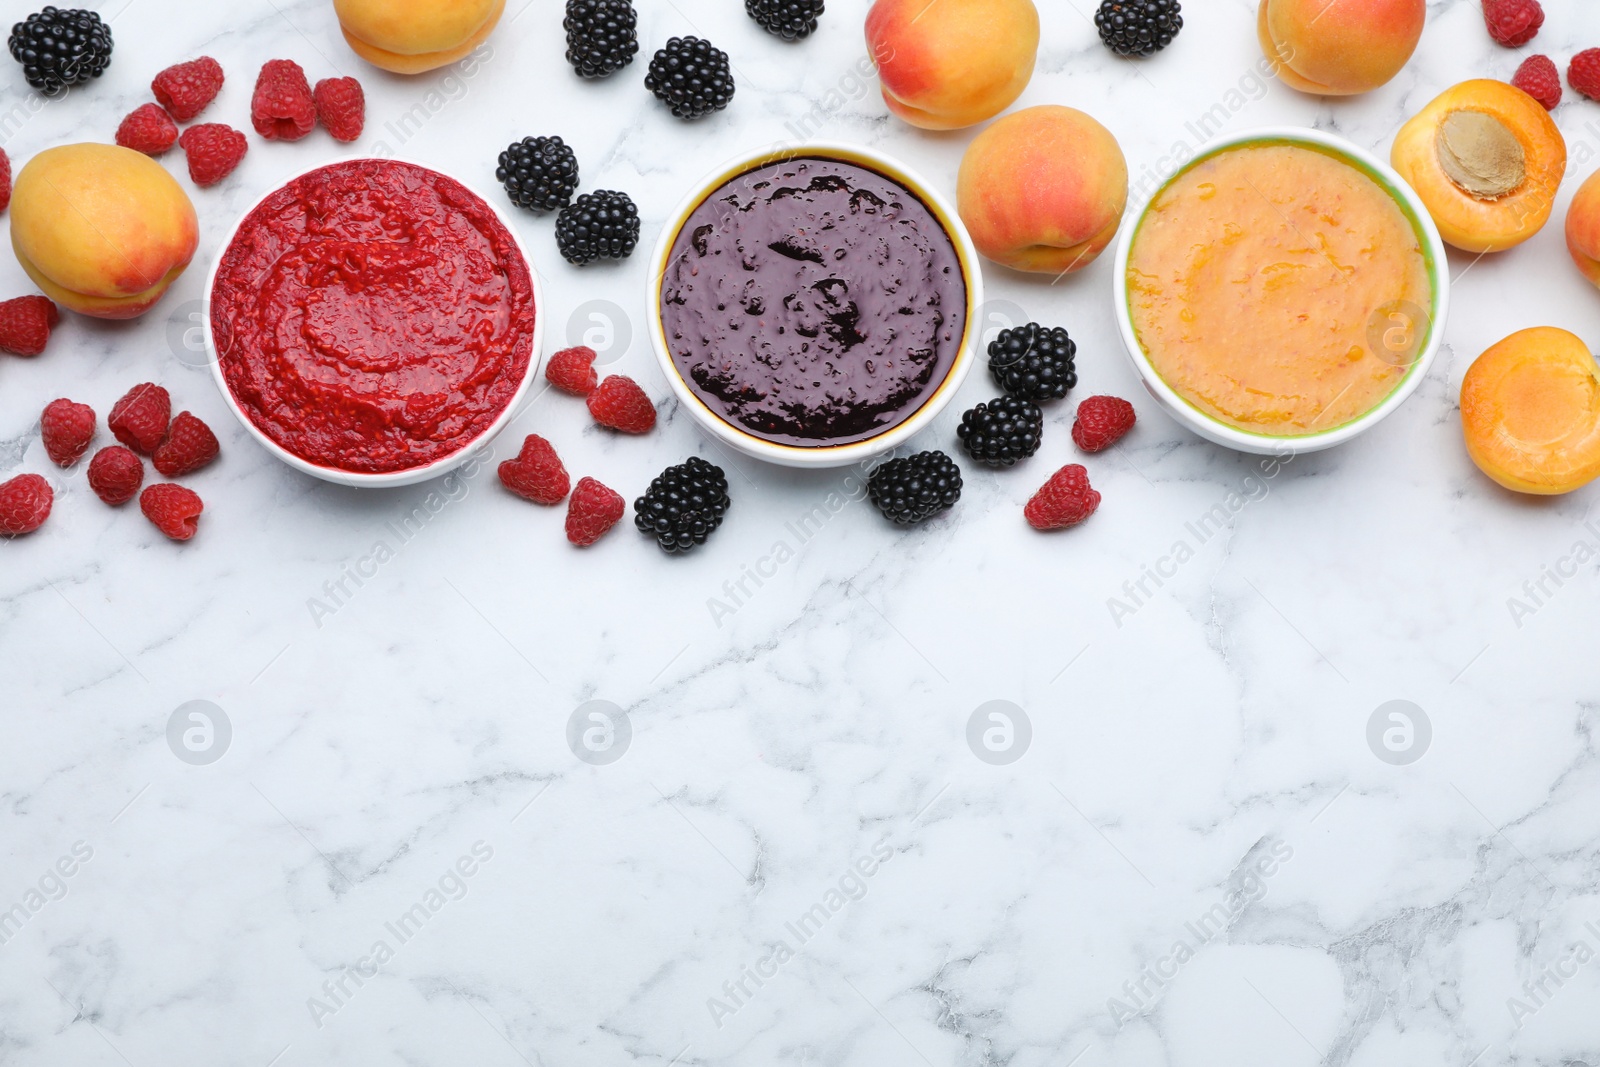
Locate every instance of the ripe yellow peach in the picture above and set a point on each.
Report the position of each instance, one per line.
(1043, 190)
(412, 36)
(1487, 159)
(102, 230)
(945, 64)
(1339, 47)
(1530, 412)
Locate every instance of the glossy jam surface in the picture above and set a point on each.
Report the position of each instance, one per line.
(1264, 285)
(813, 302)
(373, 316)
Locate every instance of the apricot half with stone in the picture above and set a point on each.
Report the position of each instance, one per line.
(1486, 159)
(1530, 410)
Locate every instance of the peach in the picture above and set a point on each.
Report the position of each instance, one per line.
(412, 36)
(1043, 190)
(1583, 228)
(945, 64)
(1486, 159)
(102, 230)
(1339, 47)
(1530, 412)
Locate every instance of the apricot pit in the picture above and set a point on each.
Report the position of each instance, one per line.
(1481, 155)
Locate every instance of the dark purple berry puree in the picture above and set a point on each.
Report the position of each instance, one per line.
(813, 302)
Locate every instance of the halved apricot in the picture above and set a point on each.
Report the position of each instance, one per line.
(1486, 159)
(1530, 411)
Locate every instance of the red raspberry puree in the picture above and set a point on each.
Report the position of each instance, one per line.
(373, 316)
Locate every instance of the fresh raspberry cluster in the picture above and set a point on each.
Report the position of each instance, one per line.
(537, 473)
(143, 424)
(1067, 499)
(1513, 23)
(283, 107)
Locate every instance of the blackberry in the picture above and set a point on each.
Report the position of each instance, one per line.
(539, 173)
(683, 505)
(603, 223)
(59, 49)
(1138, 27)
(910, 490)
(691, 76)
(1002, 431)
(1034, 362)
(602, 36)
(793, 20)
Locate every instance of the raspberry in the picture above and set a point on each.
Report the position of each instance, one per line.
(572, 371)
(341, 107)
(185, 89)
(188, 446)
(1539, 78)
(25, 324)
(1513, 22)
(213, 150)
(115, 475)
(282, 108)
(25, 503)
(1101, 422)
(66, 429)
(5, 180)
(536, 474)
(1065, 500)
(148, 129)
(619, 403)
(174, 509)
(1583, 73)
(592, 511)
(140, 418)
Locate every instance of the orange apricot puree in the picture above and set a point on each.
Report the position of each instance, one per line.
(1259, 279)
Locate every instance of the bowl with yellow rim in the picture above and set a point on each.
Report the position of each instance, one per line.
(881, 344)
(1292, 346)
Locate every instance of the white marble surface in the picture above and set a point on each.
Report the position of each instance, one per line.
(1220, 727)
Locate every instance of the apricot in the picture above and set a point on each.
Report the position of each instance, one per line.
(945, 64)
(102, 230)
(1583, 228)
(1043, 190)
(412, 36)
(1530, 411)
(1339, 47)
(1486, 159)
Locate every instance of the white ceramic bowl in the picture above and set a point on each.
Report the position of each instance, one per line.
(411, 475)
(1438, 270)
(822, 455)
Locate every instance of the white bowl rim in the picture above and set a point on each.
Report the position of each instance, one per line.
(1243, 440)
(386, 479)
(818, 455)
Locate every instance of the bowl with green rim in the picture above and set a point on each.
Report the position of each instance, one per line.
(1401, 333)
